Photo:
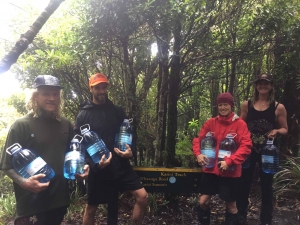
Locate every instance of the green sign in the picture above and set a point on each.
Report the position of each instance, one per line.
(173, 180)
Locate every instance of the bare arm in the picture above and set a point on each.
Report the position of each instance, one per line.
(244, 110)
(281, 120)
(12, 174)
(31, 184)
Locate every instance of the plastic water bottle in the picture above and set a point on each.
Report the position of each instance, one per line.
(94, 144)
(227, 147)
(28, 163)
(208, 148)
(124, 135)
(270, 158)
(74, 159)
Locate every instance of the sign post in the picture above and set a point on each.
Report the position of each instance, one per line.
(172, 180)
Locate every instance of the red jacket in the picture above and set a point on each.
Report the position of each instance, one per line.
(221, 126)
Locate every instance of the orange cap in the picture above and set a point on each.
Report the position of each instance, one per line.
(97, 79)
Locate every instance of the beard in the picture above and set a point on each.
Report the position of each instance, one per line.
(100, 98)
(46, 114)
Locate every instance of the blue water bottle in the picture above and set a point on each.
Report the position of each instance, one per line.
(74, 159)
(208, 148)
(124, 135)
(94, 144)
(227, 148)
(28, 163)
(270, 158)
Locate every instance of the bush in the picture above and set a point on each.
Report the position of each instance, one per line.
(287, 181)
(7, 199)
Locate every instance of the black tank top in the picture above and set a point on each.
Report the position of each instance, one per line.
(260, 123)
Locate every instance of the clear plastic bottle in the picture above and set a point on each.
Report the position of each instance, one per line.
(226, 148)
(74, 159)
(270, 158)
(124, 135)
(28, 163)
(208, 148)
(94, 145)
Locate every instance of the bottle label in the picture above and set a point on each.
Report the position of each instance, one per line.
(97, 147)
(73, 155)
(267, 159)
(35, 166)
(223, 153)
(125, 139)
(210, 153)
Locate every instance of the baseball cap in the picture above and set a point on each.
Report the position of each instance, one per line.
(264, 76)
(97, 79)
(46, 80)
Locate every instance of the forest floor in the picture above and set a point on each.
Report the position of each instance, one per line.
(286, 210)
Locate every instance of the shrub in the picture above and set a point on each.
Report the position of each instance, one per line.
(288, 179)
(7, 199)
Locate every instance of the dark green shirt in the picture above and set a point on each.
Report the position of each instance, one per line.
(49, 138)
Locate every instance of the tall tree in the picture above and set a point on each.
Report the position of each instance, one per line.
(27, 38)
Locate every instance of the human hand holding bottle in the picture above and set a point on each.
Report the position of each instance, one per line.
(202, 160)
(273, 133)
(86, 170)
(105, 162)
(126, 154)
(223, 165)
(32, 184)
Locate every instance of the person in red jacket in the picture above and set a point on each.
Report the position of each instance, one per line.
(222, 178)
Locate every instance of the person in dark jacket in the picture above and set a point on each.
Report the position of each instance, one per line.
(222, 178)
(265, 118)
(115, 174)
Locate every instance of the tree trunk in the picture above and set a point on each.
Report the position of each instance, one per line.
(214, 92)
(174, 86)
(27, 38)
(233, 66)
(161, 98)
(130, 94)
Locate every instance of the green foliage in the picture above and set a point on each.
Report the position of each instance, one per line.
(155, 202)
(193, 127)
(8, 114)
(152, 204)
(7, 199)
(184, 153)
(76, 207)
(223, 44)
(18, 101)
(288, 179)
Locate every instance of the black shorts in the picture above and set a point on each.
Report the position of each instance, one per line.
(226, 187)
(105, 191)
(51, 217)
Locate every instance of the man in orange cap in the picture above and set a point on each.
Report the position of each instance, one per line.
(108, 177)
